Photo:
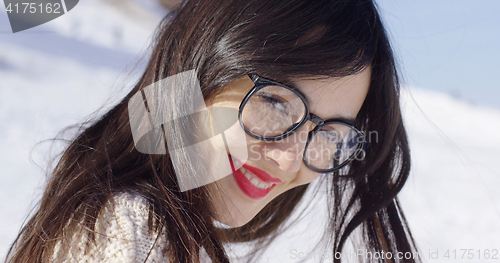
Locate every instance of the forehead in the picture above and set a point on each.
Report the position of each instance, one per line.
(339, 97)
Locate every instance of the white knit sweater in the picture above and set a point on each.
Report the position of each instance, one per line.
(122, 236)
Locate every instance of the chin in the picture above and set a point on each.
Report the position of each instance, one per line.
(236, 221)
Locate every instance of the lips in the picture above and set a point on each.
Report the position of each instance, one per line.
(247, 187)
(262, 174)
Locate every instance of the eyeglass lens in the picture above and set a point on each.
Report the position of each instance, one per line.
(272, 110)
(331, 146)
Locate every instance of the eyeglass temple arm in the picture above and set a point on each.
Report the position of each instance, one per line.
(254, 77)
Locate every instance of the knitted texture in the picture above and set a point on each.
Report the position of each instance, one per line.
(121, 236)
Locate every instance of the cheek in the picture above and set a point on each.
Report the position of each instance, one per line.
(256, 150)
(304, 176)
(236, 142)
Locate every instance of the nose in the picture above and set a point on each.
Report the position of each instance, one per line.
(288, 152)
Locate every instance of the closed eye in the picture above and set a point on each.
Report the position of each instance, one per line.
(276, 101)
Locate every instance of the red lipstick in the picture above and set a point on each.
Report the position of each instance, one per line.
(248, 188)
(262, 174)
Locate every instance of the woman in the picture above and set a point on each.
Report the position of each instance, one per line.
(308, 79)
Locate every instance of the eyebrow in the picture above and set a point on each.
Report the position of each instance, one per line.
(291, 84)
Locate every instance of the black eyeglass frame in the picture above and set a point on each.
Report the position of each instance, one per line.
(260, 83)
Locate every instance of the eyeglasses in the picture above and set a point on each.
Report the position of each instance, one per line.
(272, 111)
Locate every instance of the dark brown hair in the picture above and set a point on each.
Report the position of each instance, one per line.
(224, 40)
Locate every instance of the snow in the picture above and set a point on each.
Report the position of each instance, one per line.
(451, 200)
(80, 64)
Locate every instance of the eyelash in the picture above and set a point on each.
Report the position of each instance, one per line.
(274, 100)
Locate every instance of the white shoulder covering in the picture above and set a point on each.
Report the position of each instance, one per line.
(121, 236)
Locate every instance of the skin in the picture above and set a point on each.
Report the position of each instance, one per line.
(328, 98)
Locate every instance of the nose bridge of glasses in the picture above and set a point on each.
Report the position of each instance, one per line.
(316, 120)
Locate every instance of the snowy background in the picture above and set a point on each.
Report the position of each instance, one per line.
(59, 73)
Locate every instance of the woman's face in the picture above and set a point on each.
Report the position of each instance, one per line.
(272, 168)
